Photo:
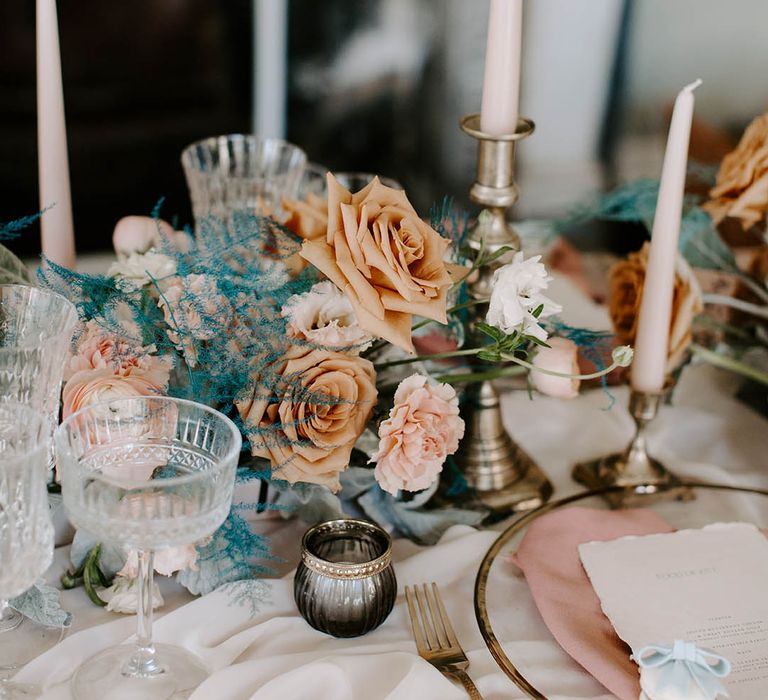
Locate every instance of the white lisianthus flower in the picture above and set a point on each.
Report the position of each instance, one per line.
(324, 316)
(139, 269)
(561, 356)
(123, 597)
(517, 292)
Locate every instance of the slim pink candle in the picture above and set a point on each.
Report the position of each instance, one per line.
(501, 85)
(56, 228)
(652, 342)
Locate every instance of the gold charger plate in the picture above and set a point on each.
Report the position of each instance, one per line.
(507, 615)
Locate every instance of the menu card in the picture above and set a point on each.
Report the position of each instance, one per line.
(707, 586)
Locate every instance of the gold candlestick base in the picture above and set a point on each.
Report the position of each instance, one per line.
(635, 470)
(503, 477)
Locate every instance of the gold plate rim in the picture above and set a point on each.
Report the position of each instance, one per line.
(481, 580)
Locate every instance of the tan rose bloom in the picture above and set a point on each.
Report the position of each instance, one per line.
(741, 191)
(325, 399)
(308, 218)
(625, 285)
(384, 258)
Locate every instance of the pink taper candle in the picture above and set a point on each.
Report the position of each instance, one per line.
(649, 368)
(56, 229)
(501, 85)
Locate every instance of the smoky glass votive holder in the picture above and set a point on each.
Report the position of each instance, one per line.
(345, 585)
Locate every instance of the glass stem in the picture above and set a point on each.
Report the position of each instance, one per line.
(143, 662)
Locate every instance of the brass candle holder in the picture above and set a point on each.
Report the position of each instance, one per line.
(640, 474)
(503, 477)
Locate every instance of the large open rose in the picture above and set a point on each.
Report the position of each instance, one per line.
(741, 191)
(384, 257)
(305, 413)
(626, 280)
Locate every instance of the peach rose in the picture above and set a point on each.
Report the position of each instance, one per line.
(91, 386)
(561, 356)
(308, 219)
(98, 349)
(384, 258)
(625, 285)
(741, 191)
(306, 411)
(423, 428)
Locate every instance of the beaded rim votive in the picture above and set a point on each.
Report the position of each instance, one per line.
(345, 570)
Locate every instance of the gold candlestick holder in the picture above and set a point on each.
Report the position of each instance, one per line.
(634, 469)
(503, 477)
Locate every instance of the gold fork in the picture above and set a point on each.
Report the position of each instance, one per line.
(437, 643)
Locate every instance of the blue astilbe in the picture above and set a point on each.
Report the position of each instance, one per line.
(11, 230)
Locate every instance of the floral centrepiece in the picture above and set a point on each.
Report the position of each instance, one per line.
(303, 356)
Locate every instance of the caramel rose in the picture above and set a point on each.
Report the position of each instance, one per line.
(306, 411)
(741, 191)
(625, 282)
(307, 218)
(384, 258)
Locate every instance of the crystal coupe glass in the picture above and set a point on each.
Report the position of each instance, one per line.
(146, 473)
(26, 537)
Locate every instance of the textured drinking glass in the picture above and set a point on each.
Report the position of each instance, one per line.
(36, 328)
(26, 536)
(345, 584)
(241, 172)
(146, 473)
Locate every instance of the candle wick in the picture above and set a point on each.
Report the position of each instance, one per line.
(692, 86)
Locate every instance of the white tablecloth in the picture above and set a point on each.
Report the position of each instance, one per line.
(257, 646)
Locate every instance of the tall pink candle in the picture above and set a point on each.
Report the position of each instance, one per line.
(652, 342)
(501, 85)
(56, 228)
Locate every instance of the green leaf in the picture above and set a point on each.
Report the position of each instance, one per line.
(12, 270)
(491, 331)
(537, 311)
(536, 341)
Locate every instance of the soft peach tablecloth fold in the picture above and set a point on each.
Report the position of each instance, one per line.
(549, 557)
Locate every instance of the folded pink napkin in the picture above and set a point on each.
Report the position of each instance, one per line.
(549, 557)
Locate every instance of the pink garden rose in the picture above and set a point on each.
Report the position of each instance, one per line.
(423, 428)
(92, 386)
(561, 356)
(99, 349)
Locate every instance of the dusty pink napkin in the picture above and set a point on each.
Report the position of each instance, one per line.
(549, 557)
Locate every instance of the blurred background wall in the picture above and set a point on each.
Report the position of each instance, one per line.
(372, 85)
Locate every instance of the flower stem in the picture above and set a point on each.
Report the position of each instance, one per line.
(565, 375)
(419, 358)
(481, 376)
(724, 362)
(724, 300)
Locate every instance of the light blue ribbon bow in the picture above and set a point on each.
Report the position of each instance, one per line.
(685, 662)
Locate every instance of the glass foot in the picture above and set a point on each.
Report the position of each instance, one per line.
(102, 678)
(22, 639)
(18, 691)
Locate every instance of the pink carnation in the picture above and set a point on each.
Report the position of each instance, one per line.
(423, 428)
